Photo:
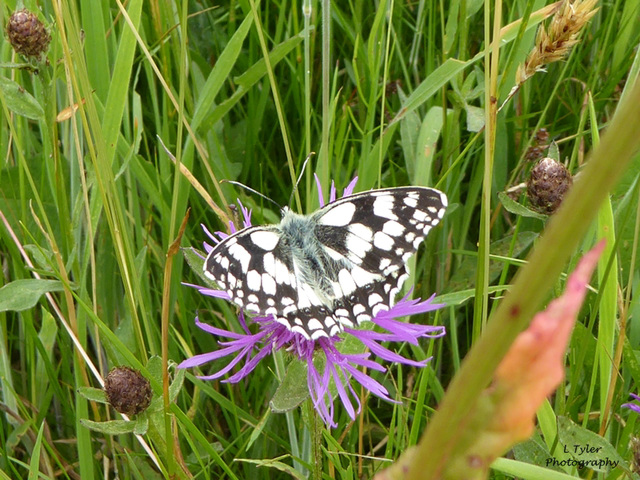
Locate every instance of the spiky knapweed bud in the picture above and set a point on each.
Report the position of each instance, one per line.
(547, 185)
(127, 390)
(27, 34)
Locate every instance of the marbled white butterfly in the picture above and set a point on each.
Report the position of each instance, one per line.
(335, 268)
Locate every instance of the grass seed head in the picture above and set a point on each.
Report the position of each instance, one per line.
(554, 43)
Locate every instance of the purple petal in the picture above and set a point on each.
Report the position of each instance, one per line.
(332, 192)
(318, 389)
(207, 357)
(344, 396)
(406, 307)
(349, 190)
(319, 186)
(245, 351)
(632, 406)
(218, 331)
(388, 355)
(249, 366)
(243, 323)
(246, 215)
(212, 292)
(210, 235)
(362, 360)
(370, 384)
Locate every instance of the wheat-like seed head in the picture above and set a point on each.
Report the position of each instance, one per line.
(553, 45)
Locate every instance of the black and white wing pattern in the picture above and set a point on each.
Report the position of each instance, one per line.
(337, 267)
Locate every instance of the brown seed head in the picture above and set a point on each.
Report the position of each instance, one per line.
(127, 390)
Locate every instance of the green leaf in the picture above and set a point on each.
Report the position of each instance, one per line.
(196, 262)
(533, 451)
(554, 152)
(517, 469)
(154, 365)
(34, 463)
(23, 294)
(439, 77)
(258, 429)
(587, 446)
(277, 464)
(119, 86)
(409, 131)
(220, 72)
(112, 427)
(426, 146)
(93, 394)
(141, 426)
(475, 118)
(293, 390)
(250, 78)
(516, 208)
(176, 384)
(20, 101)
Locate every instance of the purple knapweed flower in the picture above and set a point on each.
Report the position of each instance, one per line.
(247, 348)
(633, 406)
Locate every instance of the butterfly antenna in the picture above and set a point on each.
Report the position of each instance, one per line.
(304, 165)
(233, 182)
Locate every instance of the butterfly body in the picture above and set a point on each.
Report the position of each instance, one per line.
(335, 268)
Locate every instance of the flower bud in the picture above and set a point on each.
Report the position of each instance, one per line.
(27, 34)
(127, 390)
(547, 185)
(542, 137)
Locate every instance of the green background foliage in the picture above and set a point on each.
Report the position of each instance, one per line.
(393, 92)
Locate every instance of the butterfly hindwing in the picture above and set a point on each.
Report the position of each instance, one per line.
(254, 276)
(335, 268)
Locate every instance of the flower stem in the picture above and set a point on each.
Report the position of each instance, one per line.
(316, 439)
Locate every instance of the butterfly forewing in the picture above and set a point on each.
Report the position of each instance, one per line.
(385, 226)
(332, 269)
